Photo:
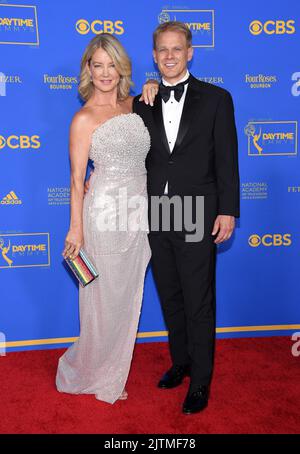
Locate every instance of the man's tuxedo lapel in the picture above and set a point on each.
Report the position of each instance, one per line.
(190, 110)
(159, 122)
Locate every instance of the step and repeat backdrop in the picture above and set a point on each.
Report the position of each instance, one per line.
(249, 48)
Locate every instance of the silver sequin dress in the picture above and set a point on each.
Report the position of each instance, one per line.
(115, 230)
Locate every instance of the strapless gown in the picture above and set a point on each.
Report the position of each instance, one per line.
(115, 230)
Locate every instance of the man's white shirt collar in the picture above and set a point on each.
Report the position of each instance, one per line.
(167, 84)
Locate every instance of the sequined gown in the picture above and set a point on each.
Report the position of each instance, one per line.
(99, 361)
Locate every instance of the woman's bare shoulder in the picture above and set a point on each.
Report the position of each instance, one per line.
(83, 117)
(87, 118)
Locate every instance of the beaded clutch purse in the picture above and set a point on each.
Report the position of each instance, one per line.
(82, 268)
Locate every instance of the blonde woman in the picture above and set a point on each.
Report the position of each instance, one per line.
(117, 141)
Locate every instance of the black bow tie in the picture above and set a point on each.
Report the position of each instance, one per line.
(165, 92)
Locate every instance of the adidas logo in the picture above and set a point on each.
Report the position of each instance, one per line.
(11, 199)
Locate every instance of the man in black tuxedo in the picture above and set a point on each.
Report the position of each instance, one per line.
(193, 153)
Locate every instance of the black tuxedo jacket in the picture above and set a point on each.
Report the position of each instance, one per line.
(204, 159)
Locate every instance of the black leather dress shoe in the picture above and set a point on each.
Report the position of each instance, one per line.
(174, 377)
(196, 401)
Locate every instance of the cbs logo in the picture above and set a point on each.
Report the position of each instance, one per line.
(99, 26)
(275, 239)
(271, 27)
(22, 142)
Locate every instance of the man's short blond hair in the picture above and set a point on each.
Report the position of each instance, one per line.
(173, 26)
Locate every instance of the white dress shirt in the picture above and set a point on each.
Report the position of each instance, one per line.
(172, 111)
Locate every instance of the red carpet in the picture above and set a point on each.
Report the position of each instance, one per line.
(256, 389)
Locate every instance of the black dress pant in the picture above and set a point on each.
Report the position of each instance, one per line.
(184, 273)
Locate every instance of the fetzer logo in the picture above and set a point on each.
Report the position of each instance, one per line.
(11, 199)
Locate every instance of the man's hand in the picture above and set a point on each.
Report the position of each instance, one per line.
(87, 183)
(150, 90)
(224, 226)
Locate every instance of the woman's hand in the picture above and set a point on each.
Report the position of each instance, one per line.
(150, 90)
(73, 242)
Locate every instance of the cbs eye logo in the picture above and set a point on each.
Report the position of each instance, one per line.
(82, 26)
(98, 26)
(254, 240)
(17, 142)
(256, 27)
(271, 27)
(275, 239)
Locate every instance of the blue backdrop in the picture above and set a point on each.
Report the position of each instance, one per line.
(251, 49)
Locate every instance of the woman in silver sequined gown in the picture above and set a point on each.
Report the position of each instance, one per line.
(115, 238)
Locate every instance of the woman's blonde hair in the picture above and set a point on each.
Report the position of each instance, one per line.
(117, 53)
